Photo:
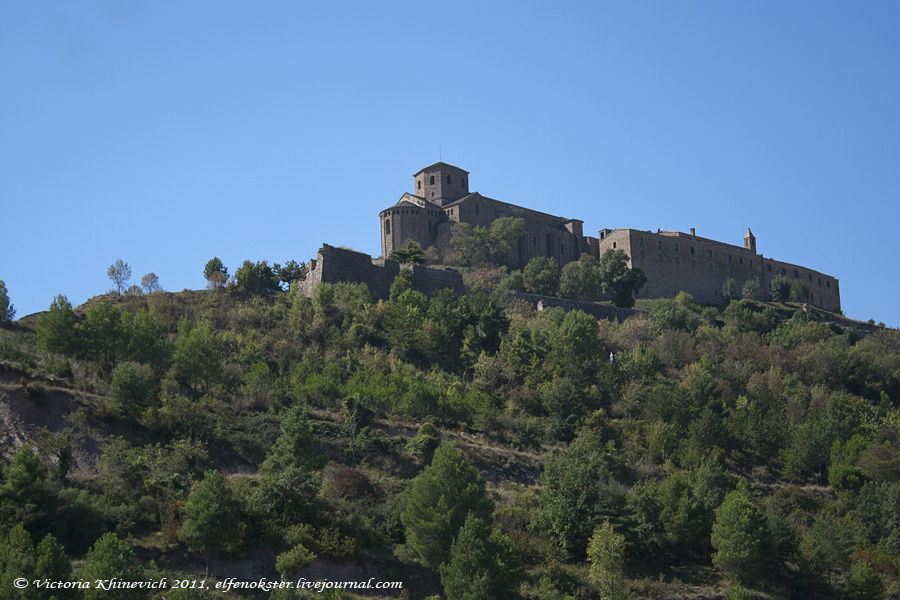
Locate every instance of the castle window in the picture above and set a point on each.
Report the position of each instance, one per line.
(795, 273)
(810, 276)
(783, 271)
(751, 264)
(614, 244)
(828, 284)
(693, 263)
(476, 210)
(676, 248)
(534, 240)
(420, 184)
(387, 226)
(642, 241)
(431, 181)
(741, 260)
(676, 260)
(820, 281)
(709, 253)
(729, 258)
(448, 179)
(659, 243)
(642, 254)
(769, 268)
(692, 250)
(432, 193)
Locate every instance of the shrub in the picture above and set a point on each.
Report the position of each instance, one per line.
(780, 288)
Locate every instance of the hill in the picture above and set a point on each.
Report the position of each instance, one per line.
(748, 450)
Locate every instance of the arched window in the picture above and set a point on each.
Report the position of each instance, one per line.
(387, 226)
(431, 182)
(420, 184)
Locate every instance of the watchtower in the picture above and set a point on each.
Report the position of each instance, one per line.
(750, 241)
(441, 183)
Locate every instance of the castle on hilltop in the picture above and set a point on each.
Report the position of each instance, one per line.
(672, 260)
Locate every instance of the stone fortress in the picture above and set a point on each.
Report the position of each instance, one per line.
(672, 260)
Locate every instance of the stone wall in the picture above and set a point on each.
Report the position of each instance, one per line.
(675, 261)
(333, 265)
(595, 309)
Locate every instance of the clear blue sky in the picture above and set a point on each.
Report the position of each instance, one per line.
(165, 133)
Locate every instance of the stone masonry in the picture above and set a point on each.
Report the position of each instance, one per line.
(333, 265)
(672, 260)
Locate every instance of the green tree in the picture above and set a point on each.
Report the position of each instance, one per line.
(569, 502)
(738, 536)
(863, 583)
(618, 281)
(469, 244)
(103, 335)
(7, 311)
(289, 273)
(215, 273)
(119, 273)
(606, 556)
(256, 278)
(55, 331)
(730, 289)
(294, 560)
(25, 497)
(750, 290)
(110, 558)
(410, 254)
(293, 446)
(780, 288)
(581, 279)
(438, 501)
(52, 563)
(503, 239)
(130, 390)
(482, 564)
(212, 517)
(197, 357)
(150, 283)
(799, 290)
(541, 276)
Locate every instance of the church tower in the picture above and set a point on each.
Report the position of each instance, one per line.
(441, 183)
(750, 241)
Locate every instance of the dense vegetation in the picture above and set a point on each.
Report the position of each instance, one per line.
(467, 445)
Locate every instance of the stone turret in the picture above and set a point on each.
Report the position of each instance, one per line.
(750, 241)
(441, 183)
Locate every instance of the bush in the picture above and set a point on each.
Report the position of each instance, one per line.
(606, 555)
(541, 276)
(780, 288)
(482, 564)
(738, 536)
(750, 291)
(730, 289)
(438, 502)
(130, 391)
(7, 311)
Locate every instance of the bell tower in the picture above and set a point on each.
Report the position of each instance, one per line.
(750, 241)
(441, 183)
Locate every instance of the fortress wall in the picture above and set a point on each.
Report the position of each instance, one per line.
(333, 265)
(675, 261)
(595, 309)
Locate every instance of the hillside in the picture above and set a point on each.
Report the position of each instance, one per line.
(747, 451)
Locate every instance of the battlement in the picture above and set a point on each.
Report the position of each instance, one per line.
(333, 265)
